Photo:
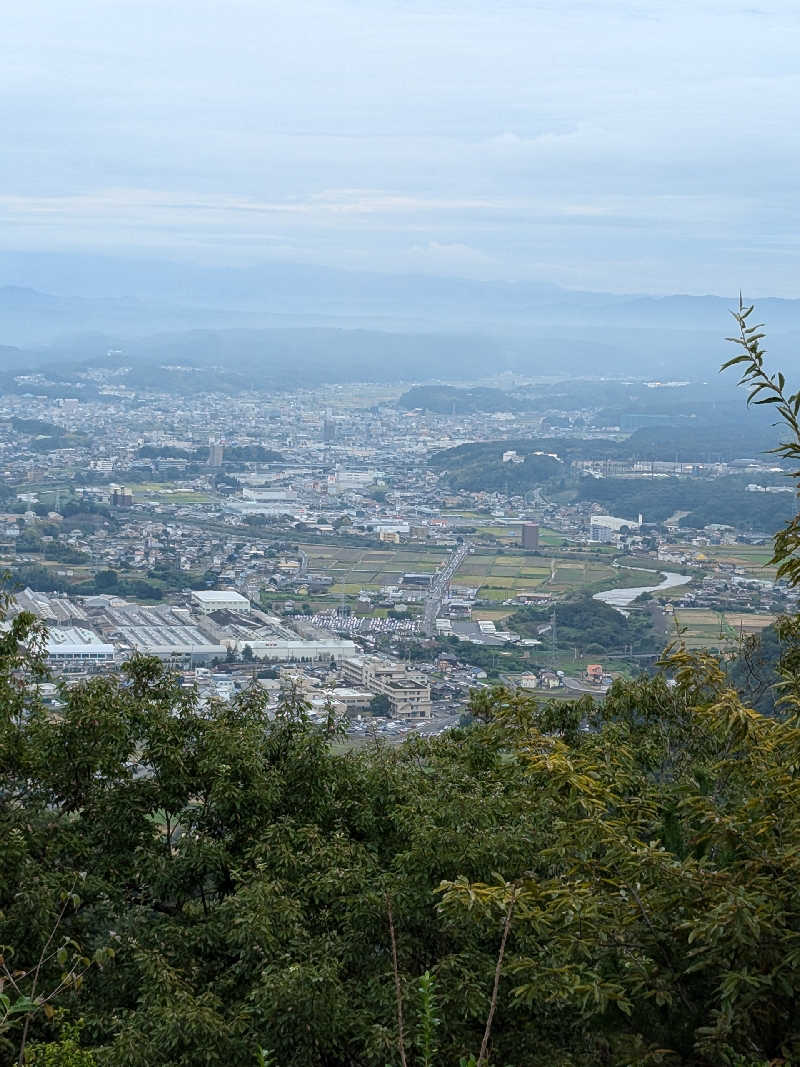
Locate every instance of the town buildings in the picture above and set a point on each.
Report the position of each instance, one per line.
(136, 530)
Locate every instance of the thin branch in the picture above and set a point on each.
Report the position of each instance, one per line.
(43, 954)
(21, 976)
(482, 1058)
(401, 1042)
(659, 942)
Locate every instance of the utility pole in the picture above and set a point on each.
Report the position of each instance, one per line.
(553, 637)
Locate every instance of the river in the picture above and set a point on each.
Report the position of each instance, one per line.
(623, 598)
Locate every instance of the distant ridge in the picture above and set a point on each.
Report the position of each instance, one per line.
(446, 399)
(149, 308)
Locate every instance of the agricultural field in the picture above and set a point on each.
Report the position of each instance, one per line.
(717, 629)
(359, 568)
(161, 493)
(510, 535)
(753, 559)
(79, 572)
(498, 576)
(501, 577)
(492, 614)
(152, 492)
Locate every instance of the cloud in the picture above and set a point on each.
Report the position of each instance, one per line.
(155, 207)
(542, 138)
(457, 259)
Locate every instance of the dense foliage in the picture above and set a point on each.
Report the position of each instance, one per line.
(753, 673)
(240, 869)
(698, 502)
(588, 624)
(450, 399)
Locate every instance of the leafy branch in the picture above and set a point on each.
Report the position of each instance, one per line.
(766, 388)
(29, 1001)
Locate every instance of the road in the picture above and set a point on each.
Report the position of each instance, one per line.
(439, 587)
(585, 687)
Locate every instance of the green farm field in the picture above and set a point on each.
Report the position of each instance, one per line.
(754, 559)
(354, 569)
(161, 493)
(498, 576)
(707, 629)
(510, 535)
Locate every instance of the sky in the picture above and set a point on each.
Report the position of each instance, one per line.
(629, 147)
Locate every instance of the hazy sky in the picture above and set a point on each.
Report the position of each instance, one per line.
(627, 146)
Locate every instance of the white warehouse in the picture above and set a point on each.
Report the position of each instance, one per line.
(283, 650)
(208, 600)
(73, 646)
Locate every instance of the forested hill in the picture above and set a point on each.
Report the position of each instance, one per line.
(693, 441)
(480, 467)
(448, 399)
(590, 625)
(697, 502)
(239, 360)
(720, 500)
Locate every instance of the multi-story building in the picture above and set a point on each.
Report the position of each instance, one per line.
(352, 700)
(298, 650)
(120, 497)
(530, 536)
(216, 451)
(409, 694)
(603, 527)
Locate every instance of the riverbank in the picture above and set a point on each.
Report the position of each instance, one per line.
(624, 597)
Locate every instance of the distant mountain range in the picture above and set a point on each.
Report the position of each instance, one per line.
(69, 307)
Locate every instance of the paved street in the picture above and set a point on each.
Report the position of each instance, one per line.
(439, 588)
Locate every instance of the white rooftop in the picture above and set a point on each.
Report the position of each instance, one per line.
(73, 640)
(219, 596)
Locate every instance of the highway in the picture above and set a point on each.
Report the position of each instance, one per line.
(439, 587)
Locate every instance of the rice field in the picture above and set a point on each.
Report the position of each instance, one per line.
(354, 569)
(707, 629)
(498, 577)
(510, 535)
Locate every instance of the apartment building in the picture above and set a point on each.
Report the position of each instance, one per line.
(409, 694)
